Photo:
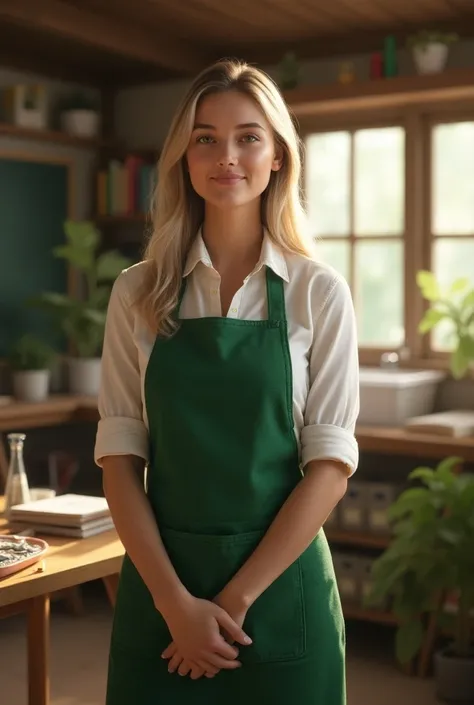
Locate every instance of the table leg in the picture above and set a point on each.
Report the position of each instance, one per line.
(38, 650)
(111, 586)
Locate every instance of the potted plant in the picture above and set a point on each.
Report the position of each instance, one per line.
(30, 361)
(288, 71)
(431, 556)
(430, 50)
(80, 116)
(82, 319)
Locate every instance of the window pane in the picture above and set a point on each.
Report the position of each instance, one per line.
(379, 293)
(379, 181)
(453, 179)
(327, 183)
(336, 254)
(452, 258)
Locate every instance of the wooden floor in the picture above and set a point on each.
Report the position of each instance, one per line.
(79, 660)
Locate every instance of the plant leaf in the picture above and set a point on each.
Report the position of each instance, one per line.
(110, 264)
(459, 363)
(422, 473)
(459, 285)
(408, 640)
(468, 300)
(431, 318)
(428, 285)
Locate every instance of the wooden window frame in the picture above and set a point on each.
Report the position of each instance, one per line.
(417, 121)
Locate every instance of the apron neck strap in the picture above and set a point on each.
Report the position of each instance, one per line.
(275, 296)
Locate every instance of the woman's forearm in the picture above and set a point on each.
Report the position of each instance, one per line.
(292, 531)
(138, 531)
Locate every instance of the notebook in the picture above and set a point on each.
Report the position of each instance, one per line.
(71, 510)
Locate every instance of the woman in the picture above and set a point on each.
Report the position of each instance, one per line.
(230, 368)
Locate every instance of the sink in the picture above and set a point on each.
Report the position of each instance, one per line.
(391, 396)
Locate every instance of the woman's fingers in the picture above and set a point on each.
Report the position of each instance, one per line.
(169, 651)
(174, 662)
(184, 668)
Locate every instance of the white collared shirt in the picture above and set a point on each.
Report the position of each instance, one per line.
(322, 339)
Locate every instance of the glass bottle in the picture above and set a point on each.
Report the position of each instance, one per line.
(17, 490)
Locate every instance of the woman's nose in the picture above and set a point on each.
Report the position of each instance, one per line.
(227, 156)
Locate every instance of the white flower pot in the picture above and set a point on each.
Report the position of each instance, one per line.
(80, 123)
(430, 59)
(31, 385)
(84, 375)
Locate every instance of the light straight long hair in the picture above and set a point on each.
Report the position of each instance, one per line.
(178, 211)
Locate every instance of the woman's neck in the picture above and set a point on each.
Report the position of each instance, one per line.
(233, 237)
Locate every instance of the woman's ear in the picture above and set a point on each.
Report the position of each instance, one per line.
(278, 158)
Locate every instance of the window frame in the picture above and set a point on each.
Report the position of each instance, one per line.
(418, 121)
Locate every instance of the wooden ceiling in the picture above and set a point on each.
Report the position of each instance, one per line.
(136, 41)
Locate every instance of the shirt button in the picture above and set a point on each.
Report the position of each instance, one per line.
(213, 292)
(233, 310)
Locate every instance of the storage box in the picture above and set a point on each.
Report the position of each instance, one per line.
(26, 106)
(364, 571)
(388, 397)
(352, 507)
(346, 568)
(380, 496)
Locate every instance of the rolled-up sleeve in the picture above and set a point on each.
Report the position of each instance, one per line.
(121, 429)
(332, 405)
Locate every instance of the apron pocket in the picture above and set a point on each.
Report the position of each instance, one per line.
(276, 622)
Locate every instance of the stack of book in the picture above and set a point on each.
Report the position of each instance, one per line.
(78, 516)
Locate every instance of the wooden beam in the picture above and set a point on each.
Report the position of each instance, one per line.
(325, 46)
(105, 33)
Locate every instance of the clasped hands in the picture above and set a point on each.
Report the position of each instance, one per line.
(203, 633)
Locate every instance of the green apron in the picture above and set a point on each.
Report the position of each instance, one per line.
(223, 460)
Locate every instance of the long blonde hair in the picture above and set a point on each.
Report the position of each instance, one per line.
(178, 211)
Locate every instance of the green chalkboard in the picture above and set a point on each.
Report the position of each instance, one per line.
(33, 208)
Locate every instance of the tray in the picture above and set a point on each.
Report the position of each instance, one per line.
(39, 547)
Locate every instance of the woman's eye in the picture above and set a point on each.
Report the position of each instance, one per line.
(204, 139)
(250, 138)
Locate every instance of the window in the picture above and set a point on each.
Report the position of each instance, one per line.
(451, 228)
(355, 196)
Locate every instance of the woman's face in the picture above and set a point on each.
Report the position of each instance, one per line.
(232, 151)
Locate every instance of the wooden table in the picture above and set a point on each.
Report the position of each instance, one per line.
(69, 562)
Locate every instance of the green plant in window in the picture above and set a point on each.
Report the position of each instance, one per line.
(456, 307)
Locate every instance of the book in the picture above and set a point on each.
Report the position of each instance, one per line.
(72, 510)
(455, 424)
(90, 528)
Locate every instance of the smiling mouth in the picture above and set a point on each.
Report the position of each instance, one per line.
(228, 180)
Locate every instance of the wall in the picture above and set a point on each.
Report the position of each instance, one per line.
(82, 160)
(143, 114)
(77, 439)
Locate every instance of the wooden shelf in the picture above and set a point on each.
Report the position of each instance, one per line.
(52, 136)
(397, 92)
(363, 615)
(116, 219)
(56, 410)
(355, 538)
(398, 441)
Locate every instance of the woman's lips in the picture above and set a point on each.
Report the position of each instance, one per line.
(228, 179)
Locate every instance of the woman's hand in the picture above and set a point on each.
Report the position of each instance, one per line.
(197, 628)
(237, 612)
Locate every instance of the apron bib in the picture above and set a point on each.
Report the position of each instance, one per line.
(223, 460)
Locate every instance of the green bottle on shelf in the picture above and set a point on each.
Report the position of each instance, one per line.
(390, 57)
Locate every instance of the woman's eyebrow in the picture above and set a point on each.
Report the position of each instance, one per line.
(244, 125)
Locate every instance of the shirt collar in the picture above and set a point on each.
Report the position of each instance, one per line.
(271, 256)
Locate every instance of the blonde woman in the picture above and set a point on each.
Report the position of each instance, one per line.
(230, 370)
